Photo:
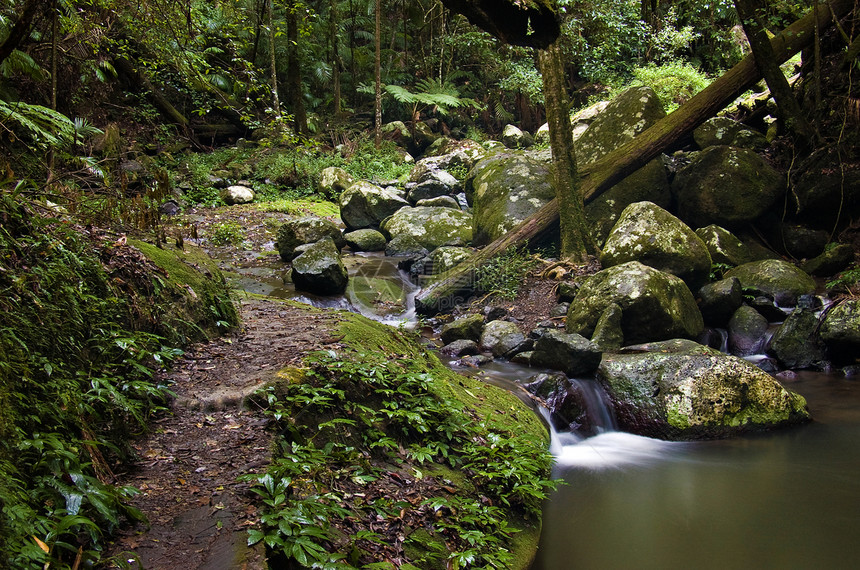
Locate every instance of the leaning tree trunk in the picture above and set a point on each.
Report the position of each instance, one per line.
(576, 242)
(615, 166)
(787, 105)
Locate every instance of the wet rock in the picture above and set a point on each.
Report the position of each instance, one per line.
(501, 337)
(840, 331)
(724, 131)
(797, 344)
(365, 240)
(310, 229)
(723, 246)
(474, 361)
(506, 189)
(567, 405)
(319, 269)
(650, 235)
(466, 328)
(462, 347)
(365, 205)
(333, 181)
(654, 305)
(573, 354)
(747, 329)
(237, 195)
(718, 301)
(777, 279)
(679, 389)
(431, 227)
(726, 186)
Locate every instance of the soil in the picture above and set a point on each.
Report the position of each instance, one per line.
(189, 466)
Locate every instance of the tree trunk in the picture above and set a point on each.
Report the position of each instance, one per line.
(335, 56)
(615, 166)
(765, 60)
(295, 90)
(377, 69)
(21, 28)
(576, 243)
(273, 68)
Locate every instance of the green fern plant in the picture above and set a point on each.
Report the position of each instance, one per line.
(428, 94)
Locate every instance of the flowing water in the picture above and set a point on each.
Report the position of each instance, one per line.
(783, 500)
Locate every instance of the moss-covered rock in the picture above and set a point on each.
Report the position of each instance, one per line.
(365, 240)
(776, 279)
(506, 189)
(465, 328)
(679, 389)
(654, 305)
(333, 181)
(650, 235)
(723, 246)
(302, 231)
(747, 329)
(719, 300)
(724, 131)
(841, 331)
(726, 186)
(365, 205)
(797, 342)
(431, 227)
(319, 269)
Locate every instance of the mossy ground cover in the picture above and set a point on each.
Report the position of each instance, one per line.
(388, 459)
(82, 327)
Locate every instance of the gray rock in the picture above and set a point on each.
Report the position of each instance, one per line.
(747, 329)
(608, 334)
(447, 257)
(501, 337)
(309, 229)
(431, 227)
(466, 328)
(438, 183)
(333, 181)
(679, 389)
(237, 195)
(439, 202)
(505, 190)
(777, 279)
(319, 269)
(723, 246)
(718, 301)
(650, 235)
(654, 305)
(724, 131)
(797, 344)
(461, 347)
(514, 137)
(568, 406)
(405, 246)
(365, 240)
(365, 205)
(573, 354)
(726, 186)
(456, 155)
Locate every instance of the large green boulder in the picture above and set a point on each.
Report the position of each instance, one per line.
(841, 331)
(365, 205)
(654, 305)
(431, 227)
(319, 269)
(774, 278)
(723, 246)
(726, 186)
(301, 231)
(505, 189)
(725, 131)
(797, 342)
(615, 124)
(647, 233)
(679, 389)
(333, 181)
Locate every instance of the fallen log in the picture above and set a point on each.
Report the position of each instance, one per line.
(450, 287)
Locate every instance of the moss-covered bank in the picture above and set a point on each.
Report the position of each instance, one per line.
(84, 319)
(393, 457)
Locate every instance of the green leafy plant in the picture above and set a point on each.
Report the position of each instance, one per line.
(674, 82)
(504, 274)
(227, 233)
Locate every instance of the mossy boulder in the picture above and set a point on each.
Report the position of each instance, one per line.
(506, 189)
(431, 227)
(831, 261)
(654, 305)
(726, 186)
(723, 246)
(333, 181)
(514, 137)
(447, 257)
(725, 131)
(319, 269)
(464, 328)
(573, 354)
(501, 337)
(774, 278)
(649, 234)
(301, 231)
(841, 331)
(746, 330)
(365, 240)
(679, 389)
(797, 342)
(365, 205)
(719, 300)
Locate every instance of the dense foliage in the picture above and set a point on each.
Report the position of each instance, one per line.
(82, 328)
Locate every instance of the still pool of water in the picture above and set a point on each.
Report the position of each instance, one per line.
(788, 499)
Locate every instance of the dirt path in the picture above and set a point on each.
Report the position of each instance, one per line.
(189, 466)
